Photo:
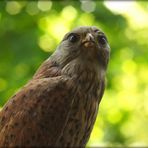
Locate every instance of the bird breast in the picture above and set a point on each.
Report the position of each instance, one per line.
(84, 110)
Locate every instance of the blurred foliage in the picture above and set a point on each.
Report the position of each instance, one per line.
(30, 31)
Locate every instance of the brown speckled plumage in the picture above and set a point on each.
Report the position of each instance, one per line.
(58, 107)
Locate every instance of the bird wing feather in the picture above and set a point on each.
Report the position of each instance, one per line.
(52, 99)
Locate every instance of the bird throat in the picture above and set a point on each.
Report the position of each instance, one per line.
(85, 74)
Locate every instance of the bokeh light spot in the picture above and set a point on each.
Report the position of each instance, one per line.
(129, 67)
(69, 13)
(86, 19)
(88, 6)
(136, 16)
(44, 5)
(114, 116)
(58, 29)
(46, 43)
(13, 7)
(119, 6)
(143, 74)
(43, 23)
(32, 8)
(129, 82)
(21, 70)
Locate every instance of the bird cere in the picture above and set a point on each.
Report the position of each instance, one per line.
(59, 105)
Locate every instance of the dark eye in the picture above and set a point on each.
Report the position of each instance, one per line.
(102, 40)
(73, 37)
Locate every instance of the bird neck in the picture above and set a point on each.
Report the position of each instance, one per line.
(86, 74)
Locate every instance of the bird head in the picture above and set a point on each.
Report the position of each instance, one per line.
(85, 44)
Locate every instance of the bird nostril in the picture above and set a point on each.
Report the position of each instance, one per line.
(89, 40)
(89, 37)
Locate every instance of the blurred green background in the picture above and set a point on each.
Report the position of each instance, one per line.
(30, 32)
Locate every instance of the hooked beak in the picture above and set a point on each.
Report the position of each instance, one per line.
(89, 40)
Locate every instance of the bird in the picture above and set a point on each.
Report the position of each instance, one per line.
(59, 105)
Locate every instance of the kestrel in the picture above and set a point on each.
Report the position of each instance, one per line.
(59, 105)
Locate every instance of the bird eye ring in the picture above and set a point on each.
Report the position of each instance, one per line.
(102, 40)
(73, 37)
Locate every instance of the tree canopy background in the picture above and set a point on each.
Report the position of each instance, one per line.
(30, 32)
